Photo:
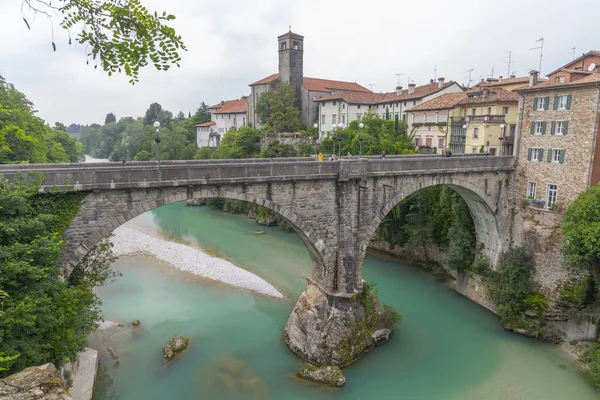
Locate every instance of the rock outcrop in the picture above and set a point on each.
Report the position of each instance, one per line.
(36, 383)
(175, 347)
(266, 219)
(195, 202)
(329, 375)
(335, 331)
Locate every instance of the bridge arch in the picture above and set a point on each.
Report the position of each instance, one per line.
(100, 231)
(482, 206)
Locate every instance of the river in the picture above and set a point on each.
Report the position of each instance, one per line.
(447, 348)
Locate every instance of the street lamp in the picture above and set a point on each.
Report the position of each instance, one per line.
(340, 125)
(360, 138)
(157, 140)
(316, 138)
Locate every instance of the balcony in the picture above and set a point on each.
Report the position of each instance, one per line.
(496, 119)
(507, 139)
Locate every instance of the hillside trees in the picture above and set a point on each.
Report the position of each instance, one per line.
(279, 108)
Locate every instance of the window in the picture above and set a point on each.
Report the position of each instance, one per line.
(442, 143)
(343, 106)
(334, 103)
(556, 156)
(404, 104)
(322, 119)
(562, 102)
(382, 115)
(504, 110)
(539, 127)
(559, 128)
(404, 117)
(418, 142)
(333, 121)
(560, 79)
(296, 46)
(358, 117)
(473, 149)
(489, 110)
(358, 106)
(535, 154)
(531, 186)
(475, 133)
(541, 103)
(513, 129)
(473, 111)
(343, 118)
(414, 103)
(429, 141)
(551, 195)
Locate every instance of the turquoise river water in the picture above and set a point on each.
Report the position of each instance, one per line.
(447, 348)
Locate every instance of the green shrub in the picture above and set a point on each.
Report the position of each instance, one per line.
(591, 358)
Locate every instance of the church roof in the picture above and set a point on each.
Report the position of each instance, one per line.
(232, 107)
(319, 85)
(291, 34)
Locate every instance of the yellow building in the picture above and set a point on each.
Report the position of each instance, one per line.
(484, 122)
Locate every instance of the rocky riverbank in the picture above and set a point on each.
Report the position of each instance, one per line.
(189, 259)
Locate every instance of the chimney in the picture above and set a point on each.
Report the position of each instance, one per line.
(411, 88)
(500, 78)
(431, 81)
(513, 76)
(533, 77)
(482, 80)
(398, 90)
(441, 82)
(222, 103)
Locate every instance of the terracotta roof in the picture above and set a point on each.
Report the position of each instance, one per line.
(268, 79)
(390, 97)
(209, 123)
(290, 33)
(232, 107)
(506, 81)
(496, 95)
(589, 53)
(588, 80)
(574, 71)
(443, 102)
(216, 106)
(326, 85)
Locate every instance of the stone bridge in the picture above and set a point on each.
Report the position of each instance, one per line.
(334, 206)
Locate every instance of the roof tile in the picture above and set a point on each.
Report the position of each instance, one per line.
(232, 107)
(588, 80)
(443, 102)
(204, 124)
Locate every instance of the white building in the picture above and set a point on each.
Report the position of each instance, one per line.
(344, 107)
(224, 116)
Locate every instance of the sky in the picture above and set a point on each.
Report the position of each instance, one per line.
(234, 43)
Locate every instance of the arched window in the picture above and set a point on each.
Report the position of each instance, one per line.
(283, 45)
(296, 45)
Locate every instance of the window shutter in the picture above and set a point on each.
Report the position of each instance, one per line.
(549, 158)
(562, 156)
(565, 127)
(553, 129)
(541, 155)
(555, 105)
(535, 103)
(547, 103)
(543, 127)
(529, 151)
(569, 97)
(532, 128)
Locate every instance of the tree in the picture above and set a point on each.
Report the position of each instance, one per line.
(581, 228)
(110, 117)
(202, 114)
(279, 108)
(119, 35)
(239, 143)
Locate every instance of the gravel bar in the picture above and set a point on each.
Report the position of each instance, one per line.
(186, 258)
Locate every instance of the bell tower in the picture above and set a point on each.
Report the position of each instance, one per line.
(291, 59)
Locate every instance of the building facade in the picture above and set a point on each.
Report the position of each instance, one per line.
(291, 70)
(558, 155)
(484, 122)
(345, 107)
(224, 116)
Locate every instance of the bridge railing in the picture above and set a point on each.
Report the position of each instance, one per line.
(103, 176)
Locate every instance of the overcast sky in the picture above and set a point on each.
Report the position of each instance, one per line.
(233, 43)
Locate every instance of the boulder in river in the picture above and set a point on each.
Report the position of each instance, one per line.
(381, 336)
(135, 322)
(195, 202)
(35, 383)
(175, 347)
(266, 219)
(328, 375)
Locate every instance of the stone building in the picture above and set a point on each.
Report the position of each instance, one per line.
(485, 121)
(224, 116)
(431, 130)
(345, 107)
(558, 154)
(291, 70)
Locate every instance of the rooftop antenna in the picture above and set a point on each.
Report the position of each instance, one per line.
(541, 47)
(435, 72)
(573, 52)
(399, 75)
(290, 28)
(491, 76)
(509, 62)
(470, 80)
(371, 86)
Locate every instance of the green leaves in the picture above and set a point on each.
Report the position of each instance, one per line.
(279, 108)
(581, 228)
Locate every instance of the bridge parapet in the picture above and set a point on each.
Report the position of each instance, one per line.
(144, 175)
